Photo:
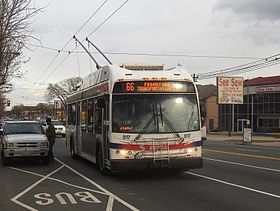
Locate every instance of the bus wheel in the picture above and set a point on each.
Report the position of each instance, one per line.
(101, 164)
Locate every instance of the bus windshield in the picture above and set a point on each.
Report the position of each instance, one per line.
(155, 113)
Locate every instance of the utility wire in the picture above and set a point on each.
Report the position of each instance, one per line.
(62, 61)
(252, 66)
(71, 39)
(107, 18)
(85, 23)
(90, 35)
(154, 54)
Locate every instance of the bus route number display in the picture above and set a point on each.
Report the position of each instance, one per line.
(153, 86)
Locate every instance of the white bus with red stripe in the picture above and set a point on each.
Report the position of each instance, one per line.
(125, 119)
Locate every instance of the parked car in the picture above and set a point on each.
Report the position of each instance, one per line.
(58, 125)
(22, 139)
(44, 124)
(59, 128)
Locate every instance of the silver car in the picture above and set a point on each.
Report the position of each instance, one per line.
(23, 139)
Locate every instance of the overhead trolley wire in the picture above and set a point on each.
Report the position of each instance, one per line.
(62, 49)
(153, 54)
(105, 20)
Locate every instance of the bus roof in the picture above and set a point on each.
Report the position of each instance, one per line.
(115, 73)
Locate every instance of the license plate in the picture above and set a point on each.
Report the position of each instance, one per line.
(159, 147)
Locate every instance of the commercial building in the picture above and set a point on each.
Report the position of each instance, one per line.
(208, 99)
(261, 106)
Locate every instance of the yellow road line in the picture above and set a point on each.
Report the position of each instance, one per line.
(242, 154)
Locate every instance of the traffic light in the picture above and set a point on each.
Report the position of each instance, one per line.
(7, 102)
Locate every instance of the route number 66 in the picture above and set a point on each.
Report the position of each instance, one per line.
(129, 87)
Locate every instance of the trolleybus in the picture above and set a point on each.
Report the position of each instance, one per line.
(124, 119)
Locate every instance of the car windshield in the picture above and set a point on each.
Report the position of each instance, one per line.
(23, 128)
(56, 122)
(155, 113)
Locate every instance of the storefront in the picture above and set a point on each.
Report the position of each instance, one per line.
(261, 107)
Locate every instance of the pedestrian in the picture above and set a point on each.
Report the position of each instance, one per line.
(50, 132)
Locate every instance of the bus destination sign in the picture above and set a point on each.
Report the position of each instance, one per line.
(153, 86)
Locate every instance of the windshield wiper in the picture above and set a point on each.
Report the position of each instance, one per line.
(147, 124)
(168, 123)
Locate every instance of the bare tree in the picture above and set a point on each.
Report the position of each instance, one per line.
(61, 89)
(2, 106)
(15, 19)
(18, 111)
(43, 108)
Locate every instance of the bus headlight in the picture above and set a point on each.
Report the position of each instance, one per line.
(123, 152)
(189, 150)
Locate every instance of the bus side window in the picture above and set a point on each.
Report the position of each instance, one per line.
(72, 114)
(98, 119)
(84, 115)
(90, 116)
(69, 112)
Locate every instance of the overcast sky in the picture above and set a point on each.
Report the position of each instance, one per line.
(233, 28)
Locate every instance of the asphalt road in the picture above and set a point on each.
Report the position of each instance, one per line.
(234, 177)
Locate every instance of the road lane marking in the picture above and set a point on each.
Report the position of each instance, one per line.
(14, 199)
(234, 185)
(242, 154)
(111, 199)
(110, 204)
(249, 150)
(241, 164)
(261, 147)
(114, 197)
(58, 180)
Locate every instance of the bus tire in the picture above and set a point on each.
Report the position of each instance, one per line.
(100, 162)
(72, 149)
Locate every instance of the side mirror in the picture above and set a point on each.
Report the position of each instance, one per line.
(202, 121)
(202, 111)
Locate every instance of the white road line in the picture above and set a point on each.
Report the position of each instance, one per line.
(241, 164)
(58, 180)
(260, 147)
(14, 199)
(249, 150)
(235, 185)
(99, 187)
(110, 204)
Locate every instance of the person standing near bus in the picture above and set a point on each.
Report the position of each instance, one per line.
(50, 132)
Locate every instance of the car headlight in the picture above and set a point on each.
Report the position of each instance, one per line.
(9, 145)
(45, 144)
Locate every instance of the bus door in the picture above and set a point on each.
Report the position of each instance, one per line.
(102, 124)
(78, 129)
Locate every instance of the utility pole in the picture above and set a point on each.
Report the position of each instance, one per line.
(195, 77)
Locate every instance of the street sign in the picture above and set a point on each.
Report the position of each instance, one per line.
(230, 90)
(247, 135)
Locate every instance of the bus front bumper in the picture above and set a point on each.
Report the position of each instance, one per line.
(173, 163)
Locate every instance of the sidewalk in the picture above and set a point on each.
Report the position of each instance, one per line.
(266, 140)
